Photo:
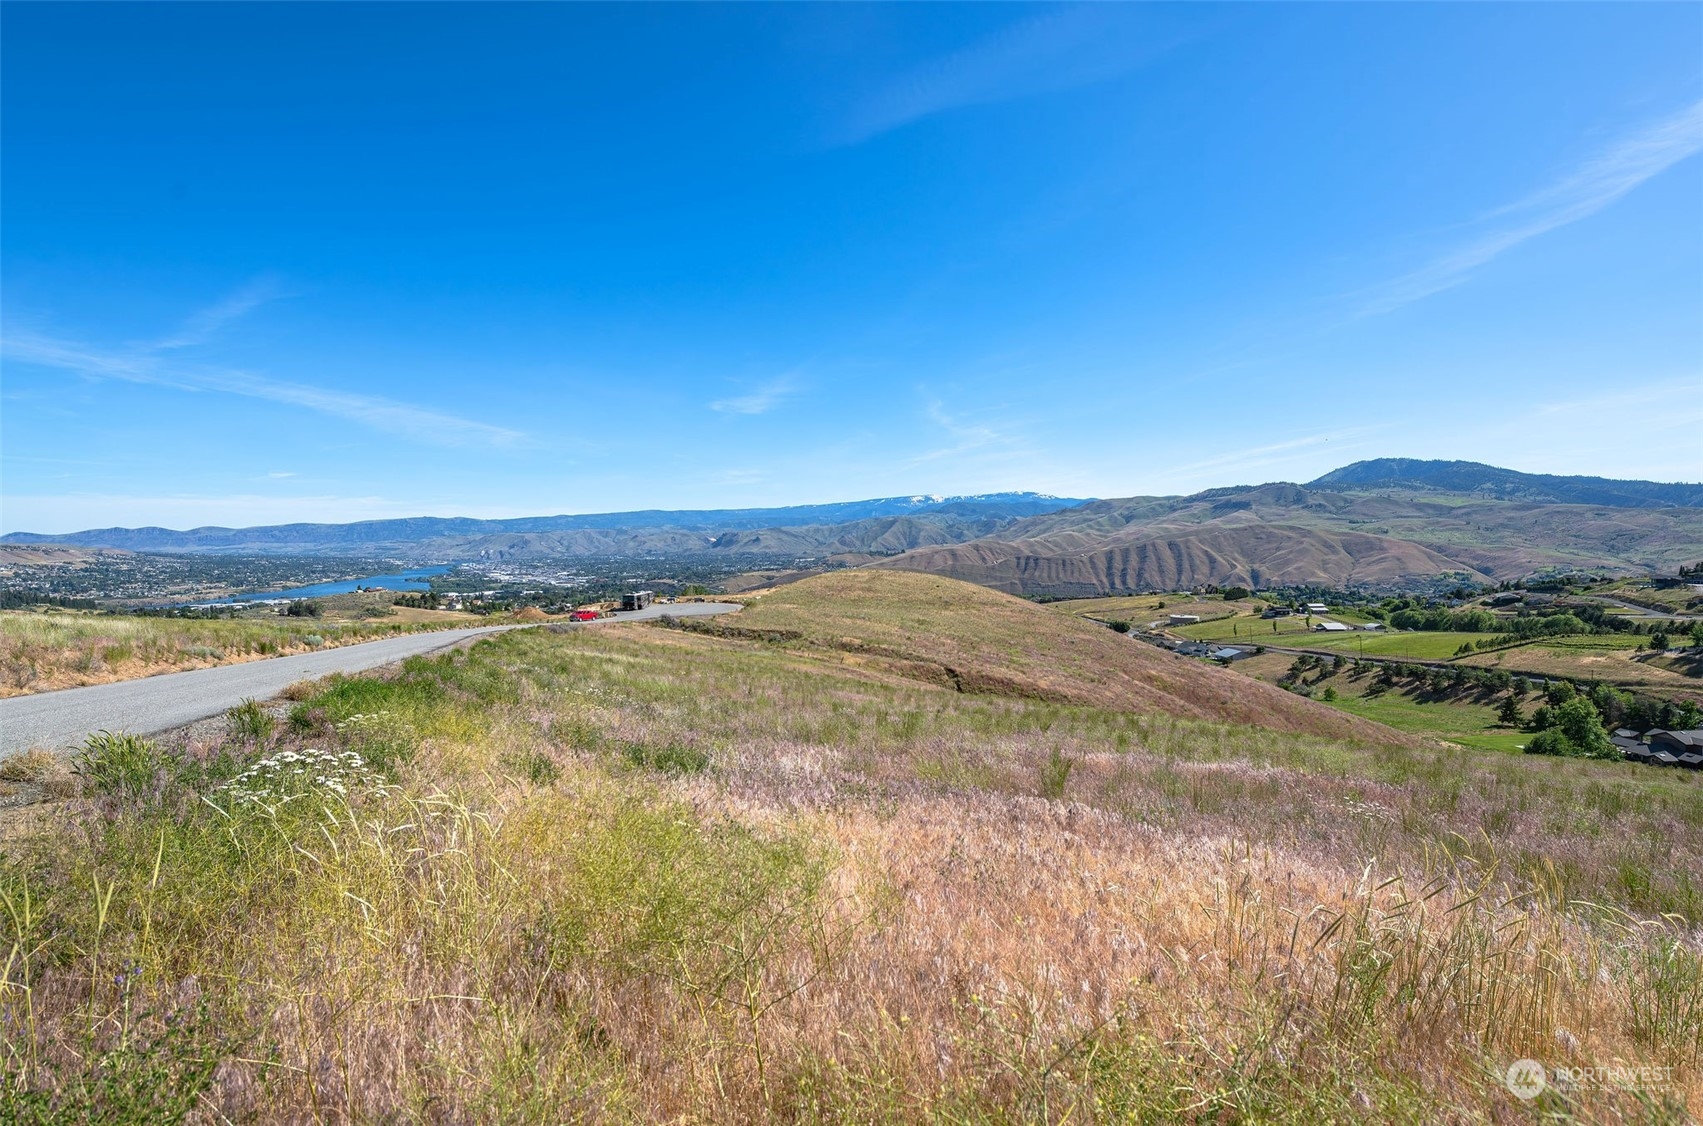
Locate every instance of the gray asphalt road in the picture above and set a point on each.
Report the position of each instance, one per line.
(1633, 610)
(56, 720)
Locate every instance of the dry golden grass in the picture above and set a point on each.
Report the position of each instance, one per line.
(983, 641)
(1621, 667)
(42, 652)
(637, 874)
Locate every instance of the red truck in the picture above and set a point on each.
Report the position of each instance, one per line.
(584, 616)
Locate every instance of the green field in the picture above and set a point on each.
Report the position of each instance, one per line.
(1419, 646)
(1464, 721)
(1471, 725)
(1243, 627)
(1595, 641)
(1294, 632)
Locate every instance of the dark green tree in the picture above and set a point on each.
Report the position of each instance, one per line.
(1575, 731)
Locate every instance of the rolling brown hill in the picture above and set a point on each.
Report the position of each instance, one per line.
(961, 635)
(1291, 535)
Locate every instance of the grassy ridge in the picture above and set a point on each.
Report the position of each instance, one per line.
(642, 874)
(980, 640)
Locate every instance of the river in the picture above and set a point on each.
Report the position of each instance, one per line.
(414, 580)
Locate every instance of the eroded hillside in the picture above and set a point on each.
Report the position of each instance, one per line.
(1289, 535)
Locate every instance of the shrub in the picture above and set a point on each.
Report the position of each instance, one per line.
(120, 765)
(1055, 772)
(669, 759)
(1119, 626)
(248, 720)
(536, 767)
(1551, 742)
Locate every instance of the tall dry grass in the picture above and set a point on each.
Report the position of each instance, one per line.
(632, 874)
(41, 652)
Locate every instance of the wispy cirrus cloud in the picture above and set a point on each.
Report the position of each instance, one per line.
(1305, 448)
(760, 401)
(969, 439)
(1594, 185)
(204, 324)
(1074, 46)
(157, 364)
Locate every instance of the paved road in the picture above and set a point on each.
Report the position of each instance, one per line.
(158, 703)
(1635, 610)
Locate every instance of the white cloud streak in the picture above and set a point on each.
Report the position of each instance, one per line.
(1595, 185)
(1304, 448)
(969, 438)
(154, 365)
(204, 324)
(1075, 46)
(764, 399)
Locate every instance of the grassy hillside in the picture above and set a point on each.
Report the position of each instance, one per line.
(630, 873)
(978, 640)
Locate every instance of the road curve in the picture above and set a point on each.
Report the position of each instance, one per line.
(56, 720)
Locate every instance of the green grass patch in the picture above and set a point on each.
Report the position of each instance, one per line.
(1418, 646)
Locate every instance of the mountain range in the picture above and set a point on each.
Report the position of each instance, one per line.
(1373, 523)
(884, 525)
(1381, 522)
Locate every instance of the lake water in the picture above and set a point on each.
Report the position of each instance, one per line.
(415, 580)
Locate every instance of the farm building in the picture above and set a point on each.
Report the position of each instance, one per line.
(1329, 627)
(1184, 619)
(1317, 608)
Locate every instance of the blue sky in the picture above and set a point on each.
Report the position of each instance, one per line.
(330, 262)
